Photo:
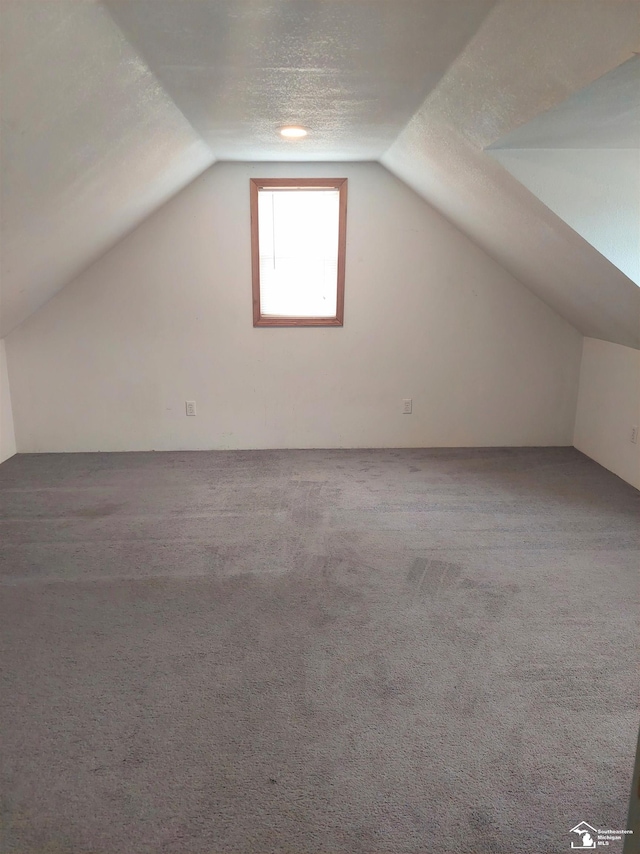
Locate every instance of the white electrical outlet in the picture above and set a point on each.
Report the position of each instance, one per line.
(191, 407)
(407, 406)
(634, 434)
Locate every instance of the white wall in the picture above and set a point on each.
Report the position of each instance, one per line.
(608, 407)
(166, 316)
(595, 191)
(7, 437)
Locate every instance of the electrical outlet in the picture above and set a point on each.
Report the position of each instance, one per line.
(407, 406)
(191, 407)
(634, 434)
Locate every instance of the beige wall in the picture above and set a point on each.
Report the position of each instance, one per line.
(7, 438)
(608, 407)
(166, 317)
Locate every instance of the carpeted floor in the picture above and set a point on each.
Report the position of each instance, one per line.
(316, 651)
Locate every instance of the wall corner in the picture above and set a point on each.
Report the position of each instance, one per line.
(7, 431)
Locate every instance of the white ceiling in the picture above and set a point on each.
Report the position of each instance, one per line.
(108, 109)
(90, 145)
(352, 71)
(582, 159)
(605, 114)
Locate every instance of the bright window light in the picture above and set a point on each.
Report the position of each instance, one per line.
(300, 254)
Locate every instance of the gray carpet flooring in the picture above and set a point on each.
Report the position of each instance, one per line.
(316, 651)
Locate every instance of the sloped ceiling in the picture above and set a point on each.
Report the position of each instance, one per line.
(582, 159)
(526, 58)
(605, 114)
(110, 108)
(90, 144)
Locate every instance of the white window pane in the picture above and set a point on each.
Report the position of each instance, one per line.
(298, 240)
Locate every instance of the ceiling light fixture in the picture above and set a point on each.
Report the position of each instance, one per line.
(293, 132)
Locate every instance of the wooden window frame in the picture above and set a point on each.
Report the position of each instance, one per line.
(257, 184)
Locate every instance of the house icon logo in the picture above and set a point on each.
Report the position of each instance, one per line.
(586, 836)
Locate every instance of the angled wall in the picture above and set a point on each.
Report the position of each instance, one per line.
(166, 317)
(595, 191)
(582, 159)
(91, 145)
(7, 436)
(556, 49)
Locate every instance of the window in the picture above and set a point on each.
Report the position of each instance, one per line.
(298, 235)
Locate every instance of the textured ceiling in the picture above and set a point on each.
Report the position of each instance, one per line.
(605, 114)
(110, 108)
(352, 71)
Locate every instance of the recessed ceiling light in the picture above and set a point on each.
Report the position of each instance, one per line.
(293, 132)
